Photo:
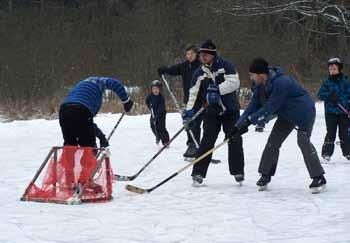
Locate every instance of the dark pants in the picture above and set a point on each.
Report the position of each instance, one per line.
(77, 125)
(279, 133)
(334, 121)
(196, 130)
(159, 128)
(211, 128)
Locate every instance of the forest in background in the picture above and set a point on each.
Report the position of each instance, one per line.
(47, 46)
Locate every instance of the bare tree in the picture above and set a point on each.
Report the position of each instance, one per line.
(336, 15)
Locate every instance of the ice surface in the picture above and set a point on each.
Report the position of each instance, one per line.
(176, 212)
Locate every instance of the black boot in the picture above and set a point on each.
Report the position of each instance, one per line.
(263, 182)
(197, 180)
(259, 129)
(318, 184)
(239, 178)
(215, 161)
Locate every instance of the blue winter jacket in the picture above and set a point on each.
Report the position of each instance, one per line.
(222, 73)
(284, 97)
(157, 103)
(341, 86)
(89, 92)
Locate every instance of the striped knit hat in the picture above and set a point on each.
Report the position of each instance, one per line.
(208, 47)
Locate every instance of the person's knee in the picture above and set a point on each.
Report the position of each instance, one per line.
(303, 139)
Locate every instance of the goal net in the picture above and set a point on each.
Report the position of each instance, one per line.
(71, 169)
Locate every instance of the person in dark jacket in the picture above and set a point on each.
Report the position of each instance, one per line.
(156, 104)
(82, 104)
(215, 83)
(335, 92)
(186, 70)
(294, 108)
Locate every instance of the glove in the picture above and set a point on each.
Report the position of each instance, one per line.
(206, 69)
(161, 70)
(128, 105)
(103, 142)
(213, 94)
(187, 115)
(334, 98)
(235, 132)
(240, 129)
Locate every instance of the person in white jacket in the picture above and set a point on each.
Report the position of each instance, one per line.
(215, 84)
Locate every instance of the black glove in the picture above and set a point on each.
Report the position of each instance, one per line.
(103, 142)
(333, 97)
(238, 131)
(128, 105)
(161, 70)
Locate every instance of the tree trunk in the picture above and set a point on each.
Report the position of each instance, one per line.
(42, 6)
(10, 6)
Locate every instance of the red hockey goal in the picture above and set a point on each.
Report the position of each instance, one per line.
(71, 169)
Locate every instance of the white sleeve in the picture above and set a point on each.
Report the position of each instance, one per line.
(194, 92)
(230, 84)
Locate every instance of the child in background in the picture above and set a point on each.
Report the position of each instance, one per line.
(335, 92)
(156, 104)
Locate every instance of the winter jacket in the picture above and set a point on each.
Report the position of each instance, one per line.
(282, 96)
(157, 103)
(341, 86)
(89, 92)
(186, 69)
(222, 73)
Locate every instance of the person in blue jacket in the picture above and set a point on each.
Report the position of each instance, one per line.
(82, 104)
(335, 92)
(156, 104)
(294, 108)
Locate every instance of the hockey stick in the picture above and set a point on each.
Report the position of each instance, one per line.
(154, 123)
(179, 109)
(343, 109)
(139, 190)
(113, 130)
(132, 177)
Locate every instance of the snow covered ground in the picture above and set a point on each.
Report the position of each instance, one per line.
(176, 212)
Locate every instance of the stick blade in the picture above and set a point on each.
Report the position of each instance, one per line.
(136, 189)
(123, 178)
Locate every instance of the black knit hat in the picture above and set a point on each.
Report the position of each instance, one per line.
(208, 47)
(335, 61)
(259, 66)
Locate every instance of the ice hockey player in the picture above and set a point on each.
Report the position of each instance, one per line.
(215, 83)
(82, 104)
(76, 120)
(335, 92)
(294, 109)
(186, 69)
(156, 104)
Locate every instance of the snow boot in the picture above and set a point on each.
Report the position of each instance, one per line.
(190, 153)
(318, 184)
(263, 182)
(215, 161)
(197, 180)
(259, 129)
(326, 158)
(239, 179)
